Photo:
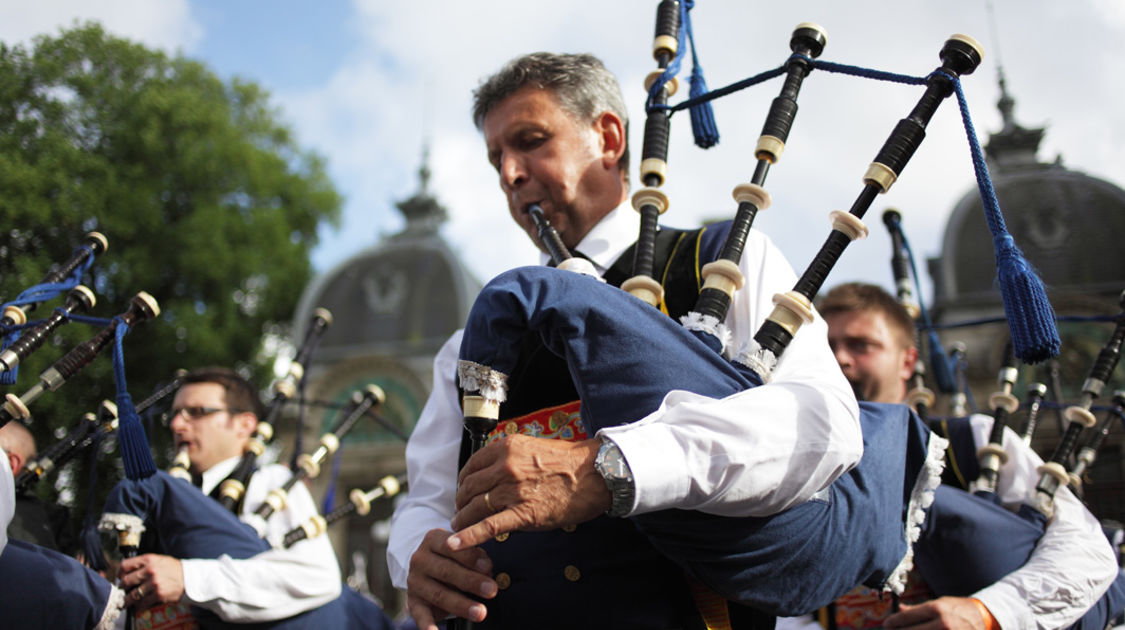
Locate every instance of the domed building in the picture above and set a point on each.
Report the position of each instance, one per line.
(1067, 224)
(393, 305)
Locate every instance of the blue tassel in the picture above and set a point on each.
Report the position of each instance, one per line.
(702, 115)
(131, 438)
(1030, 316)
(1026, 306)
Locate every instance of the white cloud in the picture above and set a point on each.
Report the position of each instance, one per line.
(167, 24)
(411, 74)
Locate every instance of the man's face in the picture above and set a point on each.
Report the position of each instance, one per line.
(545, 156)
(871, 355)
(211, 437)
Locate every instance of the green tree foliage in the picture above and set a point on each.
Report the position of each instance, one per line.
(208, 203)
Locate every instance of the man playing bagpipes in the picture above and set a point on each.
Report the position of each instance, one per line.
(46, 589)
(554, 127)
(872, 336)
(214, 415)
(35, 521)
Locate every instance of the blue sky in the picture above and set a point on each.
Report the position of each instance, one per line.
(366, 82)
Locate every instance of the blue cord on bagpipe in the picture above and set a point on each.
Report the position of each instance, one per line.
(1030, 316)
(42, 292)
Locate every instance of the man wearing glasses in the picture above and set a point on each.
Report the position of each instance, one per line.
(214, 413)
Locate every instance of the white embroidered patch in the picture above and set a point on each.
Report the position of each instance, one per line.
(117, 522)
(710, 325)
(474, 377)
(757, 358)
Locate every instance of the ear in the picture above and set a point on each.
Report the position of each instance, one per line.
(611, 131)
(909, 358)
(245, 423)
(15, 461)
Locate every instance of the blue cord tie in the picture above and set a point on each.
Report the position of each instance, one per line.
(12, 333)
(131, 438)
(1030, 316)
(40, 293)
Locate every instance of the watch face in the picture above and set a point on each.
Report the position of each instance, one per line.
(611, 464)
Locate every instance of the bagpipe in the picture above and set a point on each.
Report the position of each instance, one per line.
(166, 514)
(285, 389)
(1079, 417)
(15, 313)
(359, 503)
(180, 521)
(93, 427)
(44, 588)
(978, 513)
(308, 466)
(624, 357)
(77, 439)
(141, 307)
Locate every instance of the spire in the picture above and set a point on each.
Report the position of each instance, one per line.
(1014, 146)
(423, 213)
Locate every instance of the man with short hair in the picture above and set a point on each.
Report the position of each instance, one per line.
(34, 521)
(554, 128)
(19, 444)
(214, 414)
(872, 336)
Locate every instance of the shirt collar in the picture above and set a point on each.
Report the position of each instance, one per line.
(607, 240)
(213, 475)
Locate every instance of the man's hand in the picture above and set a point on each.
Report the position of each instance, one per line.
(439, 577)
(953, 613)
(152, 579)
(526, 483)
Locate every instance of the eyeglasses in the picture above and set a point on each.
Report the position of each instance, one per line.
(193, 413)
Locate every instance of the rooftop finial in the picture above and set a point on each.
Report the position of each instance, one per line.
(1013, 146)
(424, 169)
(424, 215)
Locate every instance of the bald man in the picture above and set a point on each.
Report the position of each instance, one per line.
(18, 444)
(34, 521)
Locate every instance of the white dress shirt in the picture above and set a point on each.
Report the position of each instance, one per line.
(274, 584)
(755, 453)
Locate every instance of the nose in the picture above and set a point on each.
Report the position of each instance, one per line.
(513, 172)
(843, 357)
(177, 422)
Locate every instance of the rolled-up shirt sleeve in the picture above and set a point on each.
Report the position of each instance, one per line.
(274, 584)
(760, 451)
(1071, 567)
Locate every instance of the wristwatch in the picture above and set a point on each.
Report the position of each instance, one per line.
(611, 465)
